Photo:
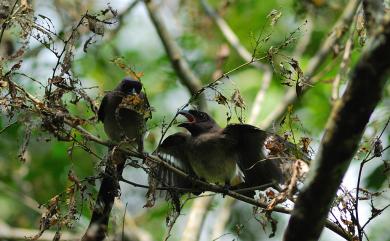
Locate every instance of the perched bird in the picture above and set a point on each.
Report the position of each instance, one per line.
(217, 154)
(124, 112)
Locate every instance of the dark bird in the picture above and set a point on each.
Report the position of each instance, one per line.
(218, 155)
(124, 112)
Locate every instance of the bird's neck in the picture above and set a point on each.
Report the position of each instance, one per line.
(203, 130)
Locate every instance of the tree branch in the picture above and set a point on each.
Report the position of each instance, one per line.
(231, 37)
(196, 218)
(130, 224)
(338, 31)
(108, 191)
(341, 139)
(179, 64)
(11, 233)
(41, 107)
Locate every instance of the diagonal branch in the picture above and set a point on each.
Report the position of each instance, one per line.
(179, 64)
(231, 37)
(338, 31)
(234, 41)
(344, 130)
(196, 217)
(41, 107)
(11, 233)
(108, 191)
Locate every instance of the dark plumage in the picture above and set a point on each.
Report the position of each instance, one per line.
(218, 154)
(173, 150)
(124, 112)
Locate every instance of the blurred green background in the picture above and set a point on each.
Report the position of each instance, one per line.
(44, 173)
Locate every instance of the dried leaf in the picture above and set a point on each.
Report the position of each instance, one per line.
(378, 148)
(274, 15)
(95, 25)
(73, 178)
(26, 141)
(221, 99)
(16, 66)
(237, 99)
(151, 194)
(120, 62)
(87, 43)
(305, 142)
(274, 146)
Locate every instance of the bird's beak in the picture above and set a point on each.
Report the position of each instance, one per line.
(188, 115)
(133, 91)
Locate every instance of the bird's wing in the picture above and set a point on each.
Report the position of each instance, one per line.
(101, 111)
(174, 151)
(252, 157)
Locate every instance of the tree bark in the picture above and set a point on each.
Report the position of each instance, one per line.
(343, 132)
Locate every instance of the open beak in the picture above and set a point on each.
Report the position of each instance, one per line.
(188, 115)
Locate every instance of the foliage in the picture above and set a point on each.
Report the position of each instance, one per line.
(58, 59)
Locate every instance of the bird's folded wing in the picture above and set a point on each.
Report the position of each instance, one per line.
(101, 111)
(174, 150)
(253, 161)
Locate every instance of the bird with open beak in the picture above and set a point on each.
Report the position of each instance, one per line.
(217, 154)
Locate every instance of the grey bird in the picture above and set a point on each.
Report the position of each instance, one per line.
(124, 112)
(218, 155)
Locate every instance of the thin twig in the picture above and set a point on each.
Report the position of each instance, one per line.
(304, 41)
(21, 197)
(337, 33)
(121, 21)
(131, 227)
(344, 130)
(342, 71)
(231, 37)
(7, 20)
(59, 56)
(196, 218)
(378, 212)
(234, 41)
(256, 108)
(179, 64)
(344, 62)
(212, 187)
(8, 126)
(12, 233)
(364, 161)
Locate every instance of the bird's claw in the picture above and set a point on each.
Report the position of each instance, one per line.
(226, 188)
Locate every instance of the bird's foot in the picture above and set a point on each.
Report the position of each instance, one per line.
(226, 189)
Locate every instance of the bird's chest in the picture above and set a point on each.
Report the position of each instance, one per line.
(213, 160)
(121, 122)
(112, 127)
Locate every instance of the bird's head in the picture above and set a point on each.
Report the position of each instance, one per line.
(198, 122)
(130, 86)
